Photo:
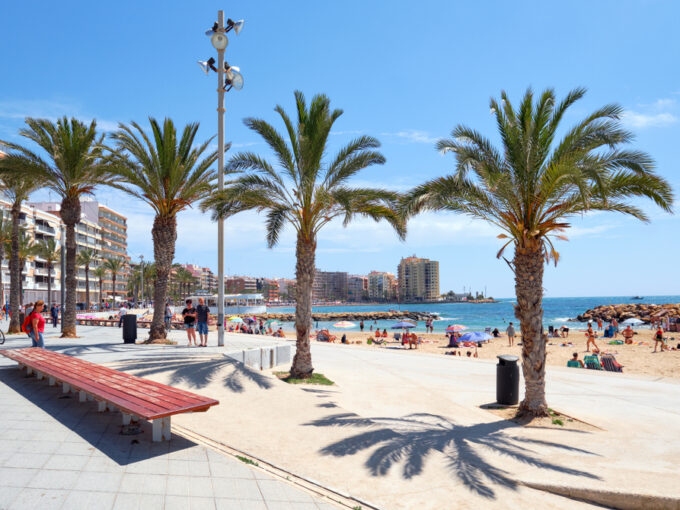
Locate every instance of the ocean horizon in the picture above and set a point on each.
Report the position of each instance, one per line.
(477, 316)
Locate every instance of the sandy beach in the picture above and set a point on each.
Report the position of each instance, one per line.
(636, 358)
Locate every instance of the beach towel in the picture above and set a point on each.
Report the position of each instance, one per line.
(592, 362)
(610, 363)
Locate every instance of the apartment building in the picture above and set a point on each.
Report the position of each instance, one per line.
(357, 287)
(330, 286)
(240, 285)
(418, 279)
(206, 279)
(270, 289)
(381, 286)
(286, 289)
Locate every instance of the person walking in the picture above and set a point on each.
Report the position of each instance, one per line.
(591, 339)
(121, 314)
(361, 325)
(511, 335)
(202, 312)
(168, 317)
(37, 324)
(189, 314)
(658, 338)
(54, 312)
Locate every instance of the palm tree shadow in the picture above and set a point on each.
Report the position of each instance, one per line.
(199, 372)
(409, 440)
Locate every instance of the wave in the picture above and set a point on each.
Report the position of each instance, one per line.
(562, 319)
(447, 319)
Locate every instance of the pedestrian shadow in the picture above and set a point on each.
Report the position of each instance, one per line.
(198, 372)
(411, 439)
(102, 430)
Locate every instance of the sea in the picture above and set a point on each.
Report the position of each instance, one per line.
(478, 316)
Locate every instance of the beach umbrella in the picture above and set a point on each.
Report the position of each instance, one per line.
(475, 336)
(455, 327)
(403, 325)
(633, 322)
(271, 322)
(344, 324)
(250, 320)
(236, 319)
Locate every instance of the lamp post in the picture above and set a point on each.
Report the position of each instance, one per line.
(141, 272)
(219, 40)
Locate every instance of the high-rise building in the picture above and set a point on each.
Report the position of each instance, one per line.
(270, 289)
(286, 289)
(104, 231)
(381, 286)
(330, 286)
(418, 279)
(240, 285)
(357, 287)
(206, 280)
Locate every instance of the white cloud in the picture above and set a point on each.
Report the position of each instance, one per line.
(643, 120)
(412, 136)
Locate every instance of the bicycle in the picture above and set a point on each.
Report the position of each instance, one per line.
(2, 337)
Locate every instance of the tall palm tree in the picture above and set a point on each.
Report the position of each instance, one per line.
(73, 169)
(114, 266)
(99, 272)
(17, 185)
(85, 257)
(48, 250)
(168, 174)
(5, 238)
(531, 187)
(306, 193)
(184, 280)
(26, 250)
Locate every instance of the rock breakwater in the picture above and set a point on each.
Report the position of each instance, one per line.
(622, 312)
(355, 316)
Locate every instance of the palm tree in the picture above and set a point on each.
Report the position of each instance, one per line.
(169, 175)
(532, 187)
(306, 193)
(5, 238)
(85, 257)
(114, 266)
(26, 250)
(17, 185)
(48, 250)
(99, 272)
(184, 280)
(74, 169)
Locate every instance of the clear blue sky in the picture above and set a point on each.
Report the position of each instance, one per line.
(405, 72)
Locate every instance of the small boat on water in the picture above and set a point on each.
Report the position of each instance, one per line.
(637, 297)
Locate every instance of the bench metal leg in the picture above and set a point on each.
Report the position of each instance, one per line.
(82, 397)
(65, 388)
(29, 370)
(126, 419)
(52, 381)
(161, 429)
(101, 406)
(90, 398)
(40, 376)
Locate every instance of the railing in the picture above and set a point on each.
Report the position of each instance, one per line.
(45, 228)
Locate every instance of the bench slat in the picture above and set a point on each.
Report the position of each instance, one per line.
(134, 395)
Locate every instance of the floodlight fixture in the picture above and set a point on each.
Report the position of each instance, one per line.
(207, 65)
(219, 41)
(212, 30)
(237, 26)
(234, 79)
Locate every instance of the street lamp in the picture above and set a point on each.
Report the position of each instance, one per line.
(234, 79)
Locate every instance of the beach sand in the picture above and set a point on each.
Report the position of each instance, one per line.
(636, 359)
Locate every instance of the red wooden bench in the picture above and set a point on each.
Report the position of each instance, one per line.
(134, 396)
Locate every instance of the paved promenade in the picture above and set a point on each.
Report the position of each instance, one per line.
(57, 453)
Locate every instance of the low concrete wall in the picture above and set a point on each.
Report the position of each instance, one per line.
(263, 357)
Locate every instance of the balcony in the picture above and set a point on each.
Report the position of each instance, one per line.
(45, 229)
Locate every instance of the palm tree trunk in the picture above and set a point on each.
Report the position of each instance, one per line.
(70, 215)
(113, 286)
(528, 264)
(49, 287)
(164, 233)
(101, 294)
(87, 286)
(304, 273)
(15, 272)
(2, 287)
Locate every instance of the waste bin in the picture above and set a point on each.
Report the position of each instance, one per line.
(507, 380)
(129, 328)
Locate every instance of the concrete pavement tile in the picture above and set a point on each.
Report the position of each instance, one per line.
(16, 477)
(143, 484)
(157, 466)
(195, 453)
(66, 462)
(188, 468)
(139, 502)
(275, 490)
(81, 448)
(27, 460)
(8, 445)
(234, 469)
(237, 489)
(9, 494)
(325, 506)
(86, 500)
(43, 499)
(106, 482)
(189, 486)
(288, 505)
(186, 503)
(235, 504)
(54, 479)
(102, 465)
(37, 446)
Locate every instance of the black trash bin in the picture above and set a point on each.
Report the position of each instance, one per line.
(507, 380)
(129, 328)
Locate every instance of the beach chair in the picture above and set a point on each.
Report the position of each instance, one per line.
(610, 364)
(487, 330)
(572, 363)
(592, 362)
(397, 336)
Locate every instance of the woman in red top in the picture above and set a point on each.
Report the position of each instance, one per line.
(37, 324)
(658, 338)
